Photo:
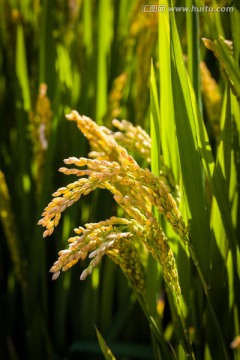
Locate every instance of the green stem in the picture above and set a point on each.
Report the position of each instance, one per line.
(190, 353)
(206, 290)
(167, 355)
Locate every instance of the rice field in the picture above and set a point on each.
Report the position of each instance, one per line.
(135, 253)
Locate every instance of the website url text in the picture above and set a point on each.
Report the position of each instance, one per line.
(163, 8)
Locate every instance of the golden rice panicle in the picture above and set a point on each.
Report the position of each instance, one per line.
(142, 40)
(103, 141)
(63, 198)
(116, 95)
(133, 138)
(8, 222)
(94, 241)
(127, 256)
(136, 190)
(99, 173)
(157, 243)
(166, 202)
(166, 175)
(96, 169)
(154, 189)
(212, 99)
(132, 207)
(228, 45)
(98, 136)
(124, 173)
(147, 228)
(39, 127)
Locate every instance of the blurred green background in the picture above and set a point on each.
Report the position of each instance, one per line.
(93, 56)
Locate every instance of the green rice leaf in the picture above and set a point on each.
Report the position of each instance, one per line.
(22, 69)
(105, 349)
(154, 122)
(215, 176)
(189, 154)
(105, 33)
(166, 120)
(193, 48)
